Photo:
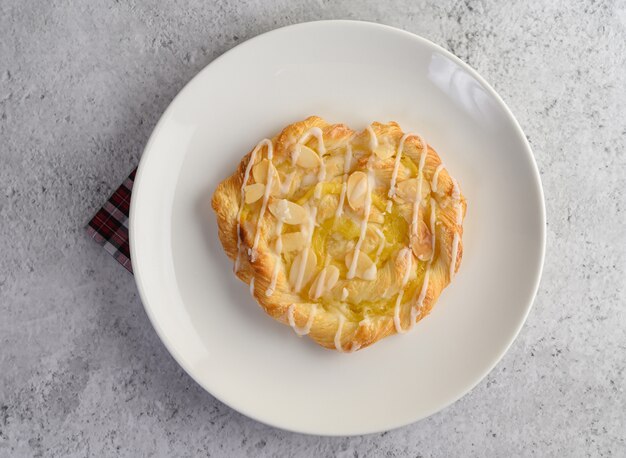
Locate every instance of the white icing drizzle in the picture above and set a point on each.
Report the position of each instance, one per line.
(309, 322)
(347, 164)
(366, 215)
(252, 286)
(319, 288)
(354, 347)
(344, 294)
(422, 296)
(381, 245)
(456, 192)
(321, 176)
(418, 190)
(433, 227)
(278, 249)
(266, 197)
(420, 300)
(338, 346)
(406, 252)
(311, 227)
(456, 195)
(436, 177)
(396, 167)
(284, 187)
(317, 133)
(270, 149)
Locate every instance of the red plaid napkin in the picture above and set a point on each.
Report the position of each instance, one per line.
(110, 225)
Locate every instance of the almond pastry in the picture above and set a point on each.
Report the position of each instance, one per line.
(348, 237)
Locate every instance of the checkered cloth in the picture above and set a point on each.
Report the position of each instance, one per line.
(110, 225)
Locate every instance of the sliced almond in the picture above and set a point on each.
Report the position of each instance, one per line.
(406, 190)
(371, 240)
(370, 273)
(332, 276)
(297, 214)
(325, 280)
(275, 182)
(376, 216)
(365, 267)
(287, 211)
(293, 241)
(292, 182)
(384, 151)
(307, 267)
(421, 244)
(254, 192)
(259, 172)
(307, 158)
(356, 190)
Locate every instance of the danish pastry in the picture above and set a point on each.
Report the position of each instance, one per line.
(348, 237)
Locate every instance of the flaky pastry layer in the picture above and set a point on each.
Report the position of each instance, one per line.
(347, 236)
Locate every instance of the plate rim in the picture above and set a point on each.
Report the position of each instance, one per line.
(140, 177)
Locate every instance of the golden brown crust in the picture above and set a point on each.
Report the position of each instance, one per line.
(366, 315)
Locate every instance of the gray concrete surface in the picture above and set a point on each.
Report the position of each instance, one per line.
(82, 84)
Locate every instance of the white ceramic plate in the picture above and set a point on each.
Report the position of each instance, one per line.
(351, 72)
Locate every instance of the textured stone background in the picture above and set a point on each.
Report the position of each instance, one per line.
(82, 84)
